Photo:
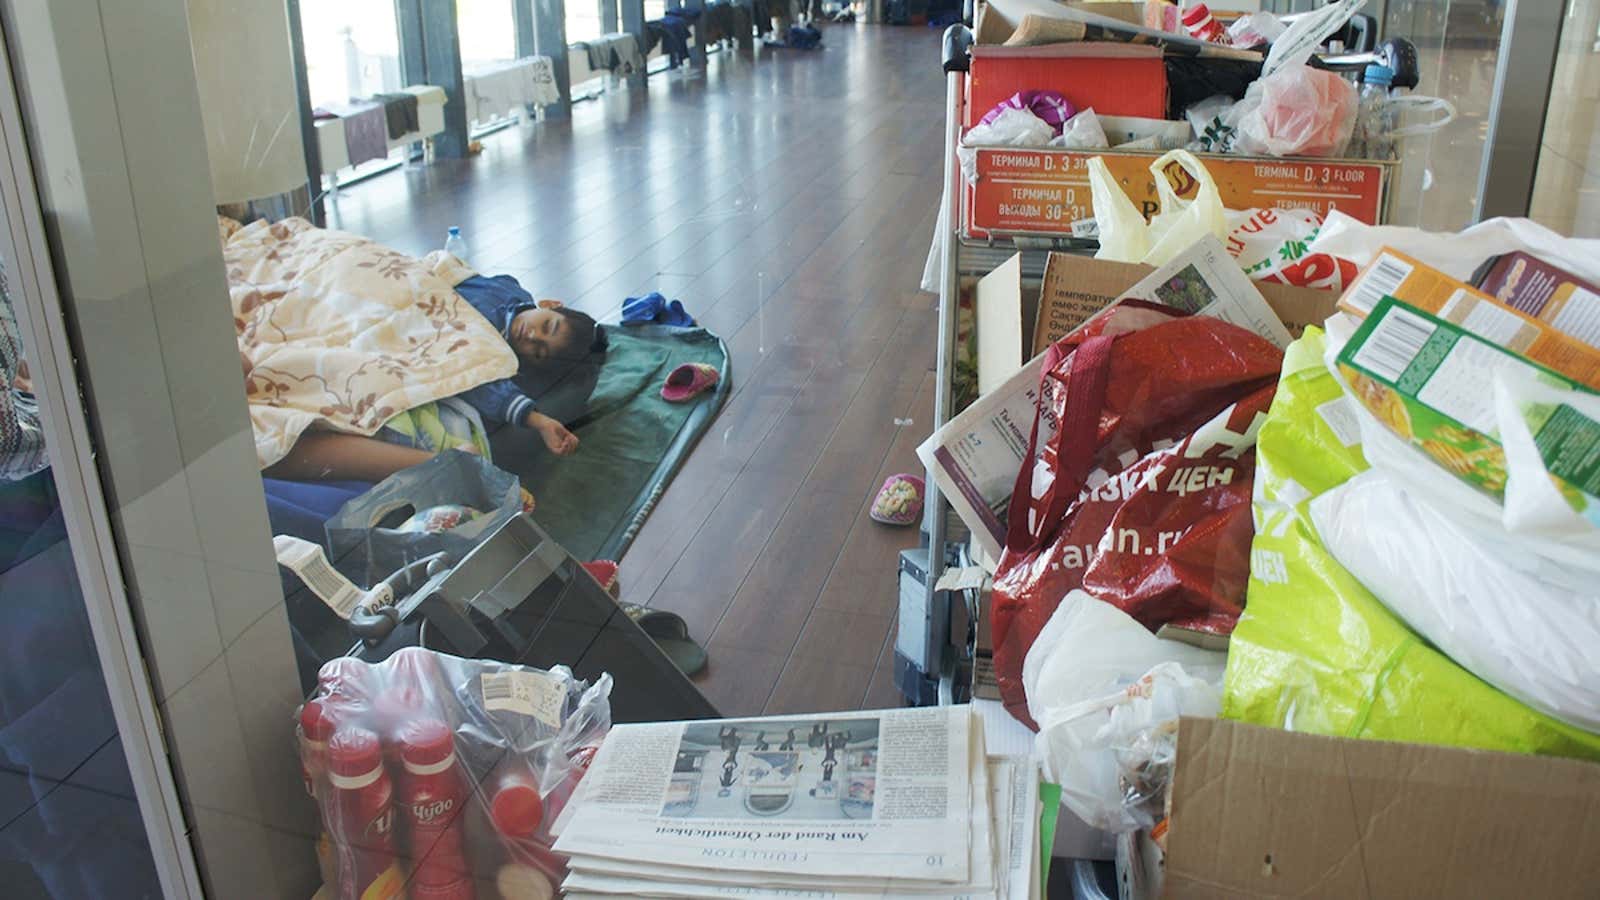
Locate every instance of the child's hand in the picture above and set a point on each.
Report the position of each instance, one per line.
(556, 436)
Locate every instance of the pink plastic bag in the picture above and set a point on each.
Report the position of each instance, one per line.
(1297, 111)
(1049, 106)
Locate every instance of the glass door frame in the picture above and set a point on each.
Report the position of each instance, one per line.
(84, 509)
(1524, 70)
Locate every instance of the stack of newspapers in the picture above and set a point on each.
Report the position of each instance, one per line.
(866, 804)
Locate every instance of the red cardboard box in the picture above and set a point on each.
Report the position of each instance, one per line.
(1114, 79)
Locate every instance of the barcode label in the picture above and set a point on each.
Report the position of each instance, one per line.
(496, 688)
(535, 694)
(1393, 343)
(1382, 280)
(306, 561)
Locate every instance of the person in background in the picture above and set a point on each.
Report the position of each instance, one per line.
(22, 450)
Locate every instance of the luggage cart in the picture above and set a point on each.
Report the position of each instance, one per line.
(936, 643)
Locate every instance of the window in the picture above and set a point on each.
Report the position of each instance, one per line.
(488, 31)
(352, 49)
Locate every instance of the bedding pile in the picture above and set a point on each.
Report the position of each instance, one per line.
(343, 333)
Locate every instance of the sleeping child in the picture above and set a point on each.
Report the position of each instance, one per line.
(552, 343)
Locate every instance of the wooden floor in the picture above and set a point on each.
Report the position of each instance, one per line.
(788, 199)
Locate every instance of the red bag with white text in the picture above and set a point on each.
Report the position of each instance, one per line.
(1273, 245)
(1142, 496)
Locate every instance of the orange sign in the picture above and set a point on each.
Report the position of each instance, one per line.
(1045, 191)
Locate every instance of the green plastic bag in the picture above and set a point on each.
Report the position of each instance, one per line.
(1317, 652)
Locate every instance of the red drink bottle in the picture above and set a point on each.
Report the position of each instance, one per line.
(348, 678)
(360, 817)
(316, 728)
(516, 809)
(432, 798)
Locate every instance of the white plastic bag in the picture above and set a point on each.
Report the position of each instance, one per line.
(1529, 629)
(1255, 29)
(1537, 503)
(1124, 236)
(1107, 694)
(1212, 121)
(1082, 132)
(1273, 245)
(1011, 128)
(1458, 255)
(1302, 38)
(1296, 111)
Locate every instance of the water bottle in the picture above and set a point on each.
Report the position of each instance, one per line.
(454, 244)
(432, 797)
(1372, 125)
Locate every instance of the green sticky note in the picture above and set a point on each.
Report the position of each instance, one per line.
(1050, 799)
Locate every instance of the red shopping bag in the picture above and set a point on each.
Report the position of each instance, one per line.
(1141, 496)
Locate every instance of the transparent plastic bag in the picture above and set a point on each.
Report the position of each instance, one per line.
(1107, 694)
(1297, 111)
(445, 773)
(1124, 235)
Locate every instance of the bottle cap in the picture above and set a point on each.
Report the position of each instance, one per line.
(345, 675)
(354, 753)
(516, 808)
(455, 231)
(316, 721)
(426, 743)
(1378, 74)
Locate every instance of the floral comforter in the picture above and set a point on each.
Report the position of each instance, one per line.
(338, 332)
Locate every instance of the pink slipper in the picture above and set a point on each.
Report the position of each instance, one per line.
(687, 381)
(899, 501)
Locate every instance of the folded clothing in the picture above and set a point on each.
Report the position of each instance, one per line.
(400, 114)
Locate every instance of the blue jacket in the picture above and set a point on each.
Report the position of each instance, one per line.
(498, 299)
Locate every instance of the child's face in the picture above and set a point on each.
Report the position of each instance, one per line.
(540, 334)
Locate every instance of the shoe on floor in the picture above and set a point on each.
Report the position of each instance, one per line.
(671, 634)
(689, 381)
(899, 501)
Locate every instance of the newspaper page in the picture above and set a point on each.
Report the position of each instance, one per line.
(992, 787)
(1206, 281)
(873, 794)
(975, 457)
(1021, 853)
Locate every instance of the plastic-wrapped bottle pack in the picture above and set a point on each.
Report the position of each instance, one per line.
(439, 777)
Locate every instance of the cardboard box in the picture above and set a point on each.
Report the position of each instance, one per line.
(1077, 287)
(1259, 812)
(1113, 78)
(1016, 323)
(1539, 338)
(1546, 292)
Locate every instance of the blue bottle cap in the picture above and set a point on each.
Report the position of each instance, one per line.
(1378, 74)
(455, 230)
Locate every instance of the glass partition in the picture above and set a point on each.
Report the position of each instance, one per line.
(1457, 46)
(1566, 194)
(70, 824)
